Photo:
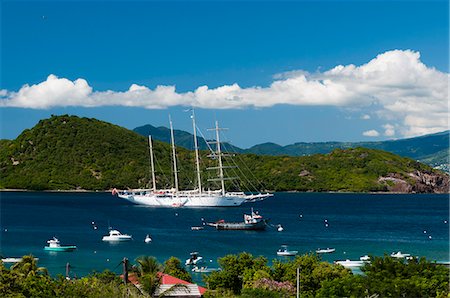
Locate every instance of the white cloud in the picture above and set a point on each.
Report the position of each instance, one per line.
(403, 90)
(365, 117)
(371, 133)
(389, 130)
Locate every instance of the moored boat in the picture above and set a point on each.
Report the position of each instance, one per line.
(325, 250)
(195, 197)
(115, 235)
(254, 222)
(194, 259)
(284, 251)
(399, 255)
(55, 245)
(351, 264)
(14, 260)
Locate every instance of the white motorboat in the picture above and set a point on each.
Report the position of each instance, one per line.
(147, 239)
(399, 255)
(350, 264)
(204, 269)
(365, 258)
(325, 250)
(196, 197)
(115, 235)
(14, 260)
(197, 228)
(284, 251)
(194, 259)
(280, 228)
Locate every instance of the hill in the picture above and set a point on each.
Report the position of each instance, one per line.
(430, 149)
(68, 152)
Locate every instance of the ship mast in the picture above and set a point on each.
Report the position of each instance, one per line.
(175, 171)
(197, 162)
(151, 162)
(222, 182)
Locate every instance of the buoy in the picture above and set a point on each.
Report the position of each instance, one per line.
(176, 214)
(326, 225)
(445, 221)
(107, 260)
(326, 220)
(93, 223)
(6, 230)
(95, 227)
(301, 215)
(429, 237)
(424, 231)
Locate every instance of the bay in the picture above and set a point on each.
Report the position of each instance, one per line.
(358, 224)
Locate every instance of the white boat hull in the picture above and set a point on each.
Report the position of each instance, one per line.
(193, 200)
(108, 238)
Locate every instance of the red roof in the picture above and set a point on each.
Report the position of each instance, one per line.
(167, 279)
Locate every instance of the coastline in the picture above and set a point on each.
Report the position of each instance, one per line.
(286, 191)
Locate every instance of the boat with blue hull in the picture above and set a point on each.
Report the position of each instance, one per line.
(55, 245)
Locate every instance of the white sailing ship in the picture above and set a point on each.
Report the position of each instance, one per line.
(190, 198)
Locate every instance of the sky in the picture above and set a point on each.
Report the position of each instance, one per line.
(270, 71)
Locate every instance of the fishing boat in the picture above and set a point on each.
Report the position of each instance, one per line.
(197, 197)
(399, 255)
(55, 245)
(147, 239)
(115, 235)
(350, 264)
(254, 222)
(325, 250)
(284, 251)
(194, 259)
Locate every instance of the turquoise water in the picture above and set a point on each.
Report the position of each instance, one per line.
(358, 224)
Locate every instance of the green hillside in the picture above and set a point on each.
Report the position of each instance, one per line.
(68, 152)
(432, 149)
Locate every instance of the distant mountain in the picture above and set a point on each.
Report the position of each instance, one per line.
(432, 149)
(68, 152)
(182, 138)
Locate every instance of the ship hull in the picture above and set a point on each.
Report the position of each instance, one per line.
(203, 200)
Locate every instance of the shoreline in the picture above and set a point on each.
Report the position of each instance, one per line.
(286, 191)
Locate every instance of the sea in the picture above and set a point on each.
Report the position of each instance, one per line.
(354, 224)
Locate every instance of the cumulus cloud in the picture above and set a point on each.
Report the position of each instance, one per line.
(365, 117)
(395, 86)
(371, 133)
(389, 130)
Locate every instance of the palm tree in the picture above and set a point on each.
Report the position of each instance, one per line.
(28, 267)
(149, 272)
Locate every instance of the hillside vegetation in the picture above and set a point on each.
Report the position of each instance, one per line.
(68, 152)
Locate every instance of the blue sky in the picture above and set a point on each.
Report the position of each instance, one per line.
(283, 56)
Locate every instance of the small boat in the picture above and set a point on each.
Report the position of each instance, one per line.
(204, 269)
(254, 222)
(280, 228)
(115, 235)
(54, 245)
(399, 255)
(365, 258)
(285, 252)
(350, 264)
(197, 228)
(325, 250)
(148, 239)
(14, 260)
(194, 259)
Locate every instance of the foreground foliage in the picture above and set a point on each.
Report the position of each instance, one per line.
(242, 276)
(68, 152)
